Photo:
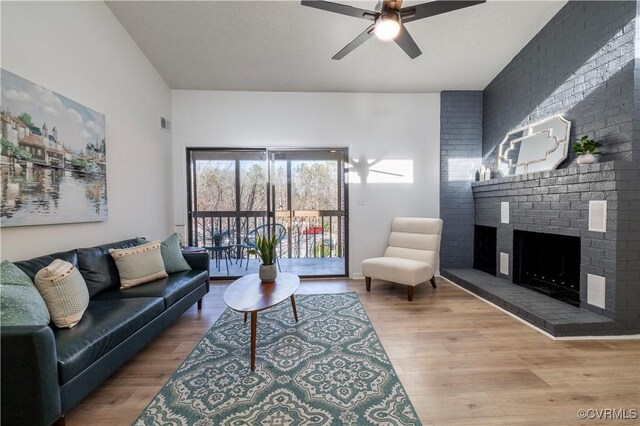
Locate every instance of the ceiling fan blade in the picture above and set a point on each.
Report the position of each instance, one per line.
(406, 42)
(364, 36)
(342, 9)
(436, 7)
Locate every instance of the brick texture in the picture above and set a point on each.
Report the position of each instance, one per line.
(460, 158)
(557, 202)
(582, 65)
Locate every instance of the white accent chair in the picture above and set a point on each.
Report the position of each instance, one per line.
(412, 255)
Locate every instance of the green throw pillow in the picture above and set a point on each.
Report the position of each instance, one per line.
(20, 301)
(172, 255)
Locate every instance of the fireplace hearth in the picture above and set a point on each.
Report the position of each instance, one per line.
(548, 264)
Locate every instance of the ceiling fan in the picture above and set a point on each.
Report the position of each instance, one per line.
(388, 19)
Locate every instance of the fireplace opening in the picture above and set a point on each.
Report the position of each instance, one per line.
(549, 264)
(484, 249)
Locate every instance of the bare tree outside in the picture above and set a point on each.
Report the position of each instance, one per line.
(314, 185)
(280, 183)
(253, 185)
(216, 183)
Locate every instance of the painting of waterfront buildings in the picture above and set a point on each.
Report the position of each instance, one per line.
(53, 157)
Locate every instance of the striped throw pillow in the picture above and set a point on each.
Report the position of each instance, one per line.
(64, 292)
(139, 265)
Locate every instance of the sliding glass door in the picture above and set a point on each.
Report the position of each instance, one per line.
(233, 192)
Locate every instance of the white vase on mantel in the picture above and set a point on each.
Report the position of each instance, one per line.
(586, 159)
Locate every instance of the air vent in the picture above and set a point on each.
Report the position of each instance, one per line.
(596, 291)
(165, 124)
(598, 215)
(504, 263)
(504, 212)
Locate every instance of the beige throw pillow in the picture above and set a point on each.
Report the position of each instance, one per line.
(64, 292)
(139, 265)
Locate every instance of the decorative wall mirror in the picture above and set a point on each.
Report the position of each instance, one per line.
(537, 147)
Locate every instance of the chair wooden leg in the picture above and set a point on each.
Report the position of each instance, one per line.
(433, 282)
(367, 282)
(410, 293)
(200, 304)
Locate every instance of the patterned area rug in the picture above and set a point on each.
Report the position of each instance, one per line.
(330, 368)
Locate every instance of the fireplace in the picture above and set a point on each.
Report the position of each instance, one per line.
(484, 249)
(548, 263)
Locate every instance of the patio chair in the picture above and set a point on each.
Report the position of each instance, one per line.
(412, 255)
(221, 248)
(265, 230)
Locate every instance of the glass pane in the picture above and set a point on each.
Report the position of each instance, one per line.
(314, 185)
(253, 185)
(216, 182)
(230, 202)
(280, 182)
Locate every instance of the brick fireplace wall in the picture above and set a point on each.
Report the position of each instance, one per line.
(460, 157)
(557, 202)
(583, 65)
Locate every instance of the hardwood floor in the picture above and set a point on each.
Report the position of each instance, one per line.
(461, 360)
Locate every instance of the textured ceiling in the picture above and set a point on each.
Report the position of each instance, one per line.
(283, 46)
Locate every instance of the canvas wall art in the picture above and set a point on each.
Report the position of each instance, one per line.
(53, 159)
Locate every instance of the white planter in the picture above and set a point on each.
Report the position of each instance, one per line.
(586, 159)
(268, 273)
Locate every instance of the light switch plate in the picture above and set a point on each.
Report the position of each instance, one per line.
(596, 290)
(504, 263)
(504, 212)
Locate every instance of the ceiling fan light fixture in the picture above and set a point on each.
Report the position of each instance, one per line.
(388, 26)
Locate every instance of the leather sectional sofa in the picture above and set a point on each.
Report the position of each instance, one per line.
(46, 371)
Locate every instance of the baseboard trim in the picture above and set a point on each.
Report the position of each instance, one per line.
(560, 338)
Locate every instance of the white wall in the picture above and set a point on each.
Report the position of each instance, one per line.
(81, 51)
(393, 126)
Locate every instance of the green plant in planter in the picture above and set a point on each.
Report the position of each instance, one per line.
(584, 145)
(266, 249)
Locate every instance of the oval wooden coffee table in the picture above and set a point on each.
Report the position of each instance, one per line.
(250, 295)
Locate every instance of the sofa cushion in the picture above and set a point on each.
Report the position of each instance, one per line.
(64, 291)
(172, 256)
(397, 270)
(105, 324)
(32, 266)
(98, 268)
(20, 301)
(139, 265)
(171, 289)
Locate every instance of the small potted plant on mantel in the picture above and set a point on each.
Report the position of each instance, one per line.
(266, 249)
(587, 150)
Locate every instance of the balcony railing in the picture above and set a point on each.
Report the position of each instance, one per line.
(310, 234)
